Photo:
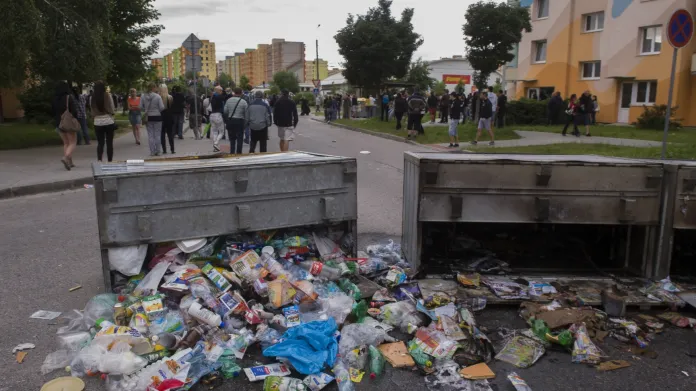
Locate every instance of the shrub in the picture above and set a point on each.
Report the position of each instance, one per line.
(653, 117)
(307, 95)
(37, 102)
(527, 112)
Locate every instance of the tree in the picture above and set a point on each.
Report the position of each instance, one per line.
(376, 46)
(131, 23)
(244, 83)
(419, 74)
(460, 87)
(224, 80)
(286, 81)
(190, 76)
(439, 88)
(491, 32)
(274, 90)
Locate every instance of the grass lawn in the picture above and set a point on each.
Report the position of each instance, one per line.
(433, 134)
(674, 151)
(18, 135)
(629, 132)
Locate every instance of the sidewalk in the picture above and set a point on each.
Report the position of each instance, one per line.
(529, 138)
(37, 170)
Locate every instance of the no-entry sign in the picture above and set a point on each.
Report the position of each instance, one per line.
(680, 28)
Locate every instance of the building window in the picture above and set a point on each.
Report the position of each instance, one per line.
(542, 9)
(594, 22)
(651, 40)
(539, 51)
(591, 70)
(645, 92)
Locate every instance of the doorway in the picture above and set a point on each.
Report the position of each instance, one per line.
(625, 104)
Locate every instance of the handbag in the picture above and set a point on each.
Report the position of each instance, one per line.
(234, 121)
(68, 123)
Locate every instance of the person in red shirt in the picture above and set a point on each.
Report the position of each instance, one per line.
(134, 114)
(572, 116)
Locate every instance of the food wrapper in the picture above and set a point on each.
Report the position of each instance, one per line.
(518, 383)
(469, 280)
(435, 343)
(396, 276)
(450, 327)
(521, 351)
(154, 308)
(317, 381)
(356, 375)
(280, 293)
(216, 277)
(292, 316)
(584, 350)
(304, 291)
(248, 266)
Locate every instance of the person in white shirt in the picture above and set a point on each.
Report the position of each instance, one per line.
(372, 106)
(494, 102)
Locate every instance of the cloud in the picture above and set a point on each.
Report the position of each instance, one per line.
(201, 8)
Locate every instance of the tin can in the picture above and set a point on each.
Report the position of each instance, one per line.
(120, 317)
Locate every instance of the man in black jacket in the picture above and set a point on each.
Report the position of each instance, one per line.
(502, 109)
(555, 106)
(485, 114)
(285, 117)
(177, 110)
(400, 107)
(586, 110)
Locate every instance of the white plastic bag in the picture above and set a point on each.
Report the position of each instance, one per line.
(57, 360)
(127, 260)
(149, 284)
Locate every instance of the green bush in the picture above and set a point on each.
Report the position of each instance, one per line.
(653, 117)
(527, 112)
(37, 102)
(307, 95)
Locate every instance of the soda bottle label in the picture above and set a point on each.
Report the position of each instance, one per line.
(316, 268)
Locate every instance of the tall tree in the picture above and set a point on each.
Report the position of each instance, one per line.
(224, 80)
(419, 74)
(244, 83)
(132, 25)
(286, 81)
(376, 46)
(491, 32)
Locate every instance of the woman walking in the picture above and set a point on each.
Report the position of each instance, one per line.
(64, 102)
(134, 114)
(167, 119)
(151, 104)
(572, 116)
(104, 126)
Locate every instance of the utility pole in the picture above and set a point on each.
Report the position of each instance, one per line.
(317, 64)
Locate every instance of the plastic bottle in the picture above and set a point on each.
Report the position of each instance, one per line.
(320, 270)
(166, 340)
(191, 338)
(376, 362)
(342, 376)
(294, 272)
(273, 266)
(202, 290)
(296, 241)
(204, 315)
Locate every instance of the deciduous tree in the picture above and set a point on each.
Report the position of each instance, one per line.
(286, 81)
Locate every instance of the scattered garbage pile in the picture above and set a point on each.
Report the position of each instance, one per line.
(187, 313)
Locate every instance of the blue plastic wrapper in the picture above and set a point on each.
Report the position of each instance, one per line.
(308, 347)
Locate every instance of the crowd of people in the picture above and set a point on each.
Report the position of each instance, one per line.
(579, 111)
(232, 114)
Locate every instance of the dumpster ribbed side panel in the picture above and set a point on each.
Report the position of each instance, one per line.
(410, 242)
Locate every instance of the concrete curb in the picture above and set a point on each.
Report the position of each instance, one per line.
(50, 187)
(373, 133)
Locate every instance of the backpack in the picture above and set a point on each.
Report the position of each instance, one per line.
(385, 99)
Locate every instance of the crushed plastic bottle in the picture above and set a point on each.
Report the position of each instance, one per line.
(318, 269)
(342, 376)
(376, 362)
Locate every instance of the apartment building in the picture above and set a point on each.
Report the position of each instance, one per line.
(311, 70)
(259, 65)
(286, 56)
(616, 49)
(208, 60)
(156, 64)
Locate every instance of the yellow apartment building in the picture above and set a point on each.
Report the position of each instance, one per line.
(208, 60)
(616, 49)
(311, 70)
(157, 66)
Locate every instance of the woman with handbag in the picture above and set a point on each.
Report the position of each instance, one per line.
(104, 126)
(572, 116)
(152, 105)
(67, 125)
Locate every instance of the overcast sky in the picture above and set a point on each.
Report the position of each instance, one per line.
(238, 24)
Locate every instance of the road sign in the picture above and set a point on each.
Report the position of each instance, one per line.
(192, 44)
(193, 62)
(680, 28)
(317, 83)
(316, 91)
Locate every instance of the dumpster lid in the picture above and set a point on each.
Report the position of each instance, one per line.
(483, 157)
(202, 162)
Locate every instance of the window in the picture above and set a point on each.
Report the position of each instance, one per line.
(542, 9)
(645, 92)
(651, 40)
(539, 51)
(591, 70)
(594, 22)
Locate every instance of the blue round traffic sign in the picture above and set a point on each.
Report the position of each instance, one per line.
(680, 28)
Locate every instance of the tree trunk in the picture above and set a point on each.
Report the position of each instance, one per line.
(2, 111)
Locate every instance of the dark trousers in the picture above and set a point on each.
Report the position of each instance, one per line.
(594, 118)
(385, 112)
(260, 137)
(398, 116)
(571, 119)
(444, 112)
(105, 135)
(236, 135)
(553, 117)
(178, 120)
(167, 131)
(83, 134)
(500, 119)
(414, 123)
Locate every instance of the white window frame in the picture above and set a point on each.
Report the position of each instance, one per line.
(650, 84)
(642, 37)
(535, 51)
(537, 90)
(596, 70)
(594, 20)
(538, 9)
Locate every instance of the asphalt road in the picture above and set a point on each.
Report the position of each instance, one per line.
(49, 244)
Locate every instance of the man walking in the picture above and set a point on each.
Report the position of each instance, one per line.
(456, 113)
(235, 114)
(177, 110)
(444, 107)
(259, 120)
(400, 108)
(432, 106)
(285, 117)
(81, 117)
(494, 105)
(416, 109)
(217, 123)
(384, 116)
(485, 115)
(502, 108)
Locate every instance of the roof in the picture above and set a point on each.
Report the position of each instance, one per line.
(337, 79)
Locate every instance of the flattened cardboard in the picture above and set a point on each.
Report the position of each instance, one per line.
(477, 372)
(613, 365)
(397, 354)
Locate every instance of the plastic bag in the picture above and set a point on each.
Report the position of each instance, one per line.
(127, 260)
(100, 306)
(402, 314)
(435, 343)
(356, 358)
(308, 347)
(148, 286)
(74, 341)
(521, 351)
(57, 360)
(357, 334)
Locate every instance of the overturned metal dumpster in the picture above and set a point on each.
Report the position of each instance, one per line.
(147, 202)
(535, 213)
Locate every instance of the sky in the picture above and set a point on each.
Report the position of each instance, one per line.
(238, 24)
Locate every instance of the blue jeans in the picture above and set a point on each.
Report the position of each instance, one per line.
(84, 133)
(236, 134)
(178, 120)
